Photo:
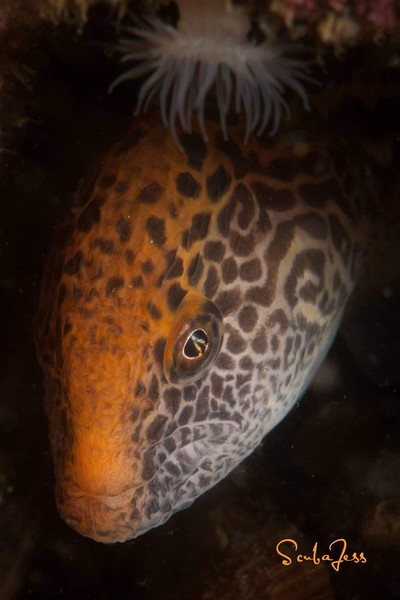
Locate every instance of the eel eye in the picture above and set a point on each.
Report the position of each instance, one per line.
(196, 345)
(193, 342)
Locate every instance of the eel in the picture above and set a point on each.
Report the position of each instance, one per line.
(186, 305)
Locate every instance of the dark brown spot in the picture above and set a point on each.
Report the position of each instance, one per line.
(274, 363)
(90, 215)
(76, 292)
(140, 389)
(121, 187)
(169, 259)
(153, 392)
(214, 251)
(73, 264)
(172, 469)
(147, 267)
(273, 198)
(155, 430)
(229, 301)
(246, 363)
(176, 267)
(218, 183)
(211, 282)
(233, 151)
(185, 415)
(137, 282)
(297, 341)
(150, 193)
(185, 239)
(148, 470)
(175, 296)
(190, 393)
(187, 185)
(124, 229)
(313, 224)
(250, 270)
(106, 181)
(217, 385)
(135, 413)
(244, 198)
(198, 229)
(288, 351)
(248, 318)
(67, 327)
(229, 396)
(93, 293)
(172, 397)
(170, 445)
(225, 362)
(158, 350)
(202, 404)
(242, 245)
(130, 141)
(105, 246)
(99, 273)
(229, 270)
(129, 257)
(154, 312)
(242, 378)
(274, 343)
(283, 169)
(259, 343)
(113, 285)
(173, 211)
(224, 219)
(236, 344)
(264, 221)
(195, 149)
(156, 229)
(195, 270)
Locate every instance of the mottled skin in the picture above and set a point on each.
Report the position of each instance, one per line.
(271, 233)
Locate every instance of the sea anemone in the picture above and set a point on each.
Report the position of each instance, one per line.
(211, 49)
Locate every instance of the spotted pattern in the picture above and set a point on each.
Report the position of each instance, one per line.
(270, 233)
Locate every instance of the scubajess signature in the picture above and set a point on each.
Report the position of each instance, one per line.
(337, 555)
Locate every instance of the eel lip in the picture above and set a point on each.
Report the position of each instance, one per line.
(118, 517)
(106, 519)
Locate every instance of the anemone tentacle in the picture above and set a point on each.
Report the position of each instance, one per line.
(186, 63)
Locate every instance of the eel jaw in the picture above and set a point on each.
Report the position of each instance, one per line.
(173, 486)
(106, 519)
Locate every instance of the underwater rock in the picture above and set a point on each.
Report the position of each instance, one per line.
(247, 564)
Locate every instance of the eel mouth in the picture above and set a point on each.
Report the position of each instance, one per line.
(106, 519)
(161, 491)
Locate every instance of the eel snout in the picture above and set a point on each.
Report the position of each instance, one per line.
(106, 519)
